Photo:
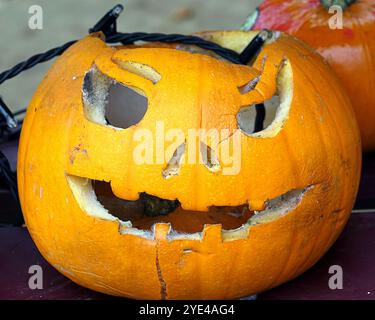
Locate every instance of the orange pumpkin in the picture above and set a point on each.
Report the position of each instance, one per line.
(215, 233)
(350, 50)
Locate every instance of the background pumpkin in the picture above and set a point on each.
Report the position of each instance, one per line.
(350, 50)
(315, 150)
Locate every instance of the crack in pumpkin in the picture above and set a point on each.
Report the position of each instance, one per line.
(163, 285)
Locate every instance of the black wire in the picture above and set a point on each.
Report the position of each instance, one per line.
(34, 60)
(130, 38)
(249, 54)
(259, 117)
(21, 111)
(125, 38)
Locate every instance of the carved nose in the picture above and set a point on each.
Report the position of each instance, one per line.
(207, 156)
(174, 164)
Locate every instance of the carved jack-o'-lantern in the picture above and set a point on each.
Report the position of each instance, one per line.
(141, 172)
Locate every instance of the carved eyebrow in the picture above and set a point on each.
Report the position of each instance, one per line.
(247, 87)
(139, 69)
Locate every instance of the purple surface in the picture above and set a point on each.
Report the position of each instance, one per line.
(354, 252)
(366, 192)
(17, 254)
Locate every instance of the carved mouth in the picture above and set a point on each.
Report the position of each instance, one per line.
(140, 217)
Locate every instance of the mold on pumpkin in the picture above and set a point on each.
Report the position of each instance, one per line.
(170, 228)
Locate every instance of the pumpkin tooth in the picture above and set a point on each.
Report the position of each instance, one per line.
(212, 233)
(123, 227)
(236, 234)
(161, 230)
(257, 205)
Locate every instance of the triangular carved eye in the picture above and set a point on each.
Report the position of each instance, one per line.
(276, 109)
(108, 102)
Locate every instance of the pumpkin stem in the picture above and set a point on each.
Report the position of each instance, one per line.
(342, 3)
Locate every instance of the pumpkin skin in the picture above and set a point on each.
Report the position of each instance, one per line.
(317, 149)
(350, 51)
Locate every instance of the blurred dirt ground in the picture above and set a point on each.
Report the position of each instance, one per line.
(66, 20)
